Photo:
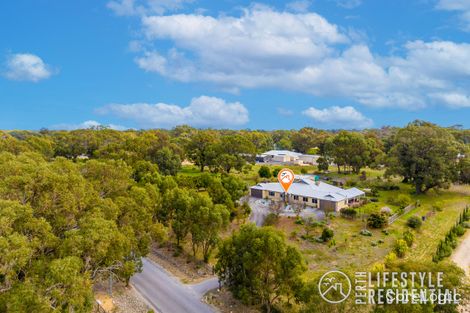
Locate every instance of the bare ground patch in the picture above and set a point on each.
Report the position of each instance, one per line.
(223, 300)
(123, 300)
(180, 264)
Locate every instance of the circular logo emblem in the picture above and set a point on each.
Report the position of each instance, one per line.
(334, 286)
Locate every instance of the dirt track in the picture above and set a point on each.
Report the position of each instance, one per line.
(461, 255)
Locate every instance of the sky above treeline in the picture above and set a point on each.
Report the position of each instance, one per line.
(348, 64)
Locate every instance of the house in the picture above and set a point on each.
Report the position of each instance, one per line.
(286, 157)
(312, 192)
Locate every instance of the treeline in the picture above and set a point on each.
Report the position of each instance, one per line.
(422, 153)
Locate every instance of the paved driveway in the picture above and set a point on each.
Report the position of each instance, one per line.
(166, 294)
(260, 209)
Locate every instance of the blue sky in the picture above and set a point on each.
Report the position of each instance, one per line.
(233, 64)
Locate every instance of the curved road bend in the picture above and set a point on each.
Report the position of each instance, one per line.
(167, 294)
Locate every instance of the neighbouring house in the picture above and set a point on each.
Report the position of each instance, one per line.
(286, 157)
(312, 192)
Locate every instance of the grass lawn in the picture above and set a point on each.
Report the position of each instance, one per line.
(354, 251)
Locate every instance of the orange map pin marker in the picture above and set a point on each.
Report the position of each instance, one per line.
(285, 178)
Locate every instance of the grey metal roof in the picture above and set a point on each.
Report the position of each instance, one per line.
(305, 186)
(282, 152)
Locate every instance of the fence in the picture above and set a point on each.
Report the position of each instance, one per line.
(395, 216)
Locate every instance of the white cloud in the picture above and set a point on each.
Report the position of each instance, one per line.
(461, 6)
(335, 116)
(453, 99)
(144, 7)
(348, 4)
(87, 125)
(203, 111)
(299, 6)
(265, 48)
(26, 67)
(260, 37)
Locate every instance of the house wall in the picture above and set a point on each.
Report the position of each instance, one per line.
(310, 159)
(300, 200)
(281, 158)
(322, 204)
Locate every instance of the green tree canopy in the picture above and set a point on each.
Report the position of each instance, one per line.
(258, 266)
(425, 155)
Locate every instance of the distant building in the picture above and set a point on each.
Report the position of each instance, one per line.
(286, 157)
(309, 191)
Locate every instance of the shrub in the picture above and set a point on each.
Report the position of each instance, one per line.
(401, 201)
(414, 222)
(374, 200)
(390, 258)
(264, 172)
(459, 230)
(271, 219)
(374, 192)
(327, 234)
(365, 232)
(293, 234)
(276, 171)
(377, 267)
(303, 170)
(400, 248)
(376, 220)
(443, 250)
(348, 213)
(409, 237)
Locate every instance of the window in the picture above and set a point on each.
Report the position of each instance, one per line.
(296, 197)
(305, 199)
(314, 200)
(272, 193)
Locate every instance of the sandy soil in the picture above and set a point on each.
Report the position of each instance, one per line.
(461, 256)
(182, 266)
(124, 299)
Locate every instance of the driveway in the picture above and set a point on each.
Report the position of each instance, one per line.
(461, 256)
(166, 294)
(260, 209)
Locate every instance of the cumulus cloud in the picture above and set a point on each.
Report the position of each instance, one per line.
(335, 116)
(87, 125)
(453, 99)
(26, 67)
(145, 7)
(266, 48)
(203, 111)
